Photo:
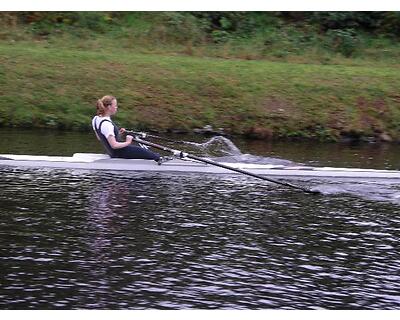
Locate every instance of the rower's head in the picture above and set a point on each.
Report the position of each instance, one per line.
(107, 106)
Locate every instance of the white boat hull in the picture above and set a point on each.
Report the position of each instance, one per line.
(85, 161)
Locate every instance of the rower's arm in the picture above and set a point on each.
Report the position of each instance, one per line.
(118, 145)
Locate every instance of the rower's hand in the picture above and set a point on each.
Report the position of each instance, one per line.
(122, 134)
(129, 138)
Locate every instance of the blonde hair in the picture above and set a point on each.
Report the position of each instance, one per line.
(103, 103)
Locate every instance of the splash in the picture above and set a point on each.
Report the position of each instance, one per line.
(216, 147)
(224, 150)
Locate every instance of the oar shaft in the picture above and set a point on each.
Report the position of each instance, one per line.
(221, 165)
(217, 164)
(155, 136)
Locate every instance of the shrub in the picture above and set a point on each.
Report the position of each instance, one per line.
(343, 41)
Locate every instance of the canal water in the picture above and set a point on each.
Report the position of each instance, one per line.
(74, 239)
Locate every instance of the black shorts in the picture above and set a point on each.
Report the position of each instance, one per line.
(135, 152)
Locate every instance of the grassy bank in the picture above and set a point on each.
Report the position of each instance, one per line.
(44, 85)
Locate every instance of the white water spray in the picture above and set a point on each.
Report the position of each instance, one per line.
(217, 146)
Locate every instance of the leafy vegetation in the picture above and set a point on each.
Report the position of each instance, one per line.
(312, 36)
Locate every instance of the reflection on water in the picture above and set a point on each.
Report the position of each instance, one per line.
(73, 239)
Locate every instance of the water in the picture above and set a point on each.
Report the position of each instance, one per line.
(73, 239)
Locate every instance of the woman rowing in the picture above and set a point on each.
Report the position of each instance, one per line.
(108, 133)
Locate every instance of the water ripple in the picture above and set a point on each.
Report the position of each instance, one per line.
(99, 240)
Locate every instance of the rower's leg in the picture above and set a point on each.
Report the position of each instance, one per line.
(134, 152)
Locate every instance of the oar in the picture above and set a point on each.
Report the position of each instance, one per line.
(144, 135)
(182, 154)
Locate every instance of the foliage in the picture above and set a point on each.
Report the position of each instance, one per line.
(274, 34)
(44, 23)
(391, 24)
(231, 22)
(344, 41)
(347, 20)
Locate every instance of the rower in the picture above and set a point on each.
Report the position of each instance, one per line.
(108, 133)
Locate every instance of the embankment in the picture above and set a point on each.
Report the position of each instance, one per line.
(50, 87)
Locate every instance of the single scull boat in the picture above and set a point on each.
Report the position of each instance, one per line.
(90, 161)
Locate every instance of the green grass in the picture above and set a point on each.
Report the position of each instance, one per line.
(53, 86)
